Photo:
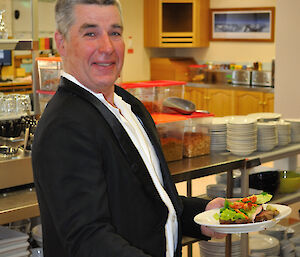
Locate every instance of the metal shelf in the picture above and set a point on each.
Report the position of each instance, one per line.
(16, 44)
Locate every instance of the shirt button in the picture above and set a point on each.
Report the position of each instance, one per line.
(173, 218)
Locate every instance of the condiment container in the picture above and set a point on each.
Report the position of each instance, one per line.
(170, 130)
(196, 139)
(153, 93)
(49, 72)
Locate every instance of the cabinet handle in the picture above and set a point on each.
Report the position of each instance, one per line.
(260, 102)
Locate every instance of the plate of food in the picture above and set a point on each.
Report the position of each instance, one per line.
(244, 215)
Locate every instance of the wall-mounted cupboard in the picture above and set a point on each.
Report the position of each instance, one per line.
(176, 23)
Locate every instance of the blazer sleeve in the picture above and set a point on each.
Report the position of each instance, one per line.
(191, 207)
(71, 183)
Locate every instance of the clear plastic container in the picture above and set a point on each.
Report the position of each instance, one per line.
(145, 94)
(170, 130)
(49, 72)
(153, 93)
(197, 73)
(44, 98)
(196, 140)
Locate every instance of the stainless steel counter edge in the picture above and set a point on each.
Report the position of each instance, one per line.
(15, 171)
(231, 87)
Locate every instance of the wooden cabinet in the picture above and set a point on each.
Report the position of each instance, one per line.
(176, 68)
(251, 102)
(176, 23)
(248, 102)
(197, 96)
(224, 102)
(220, 102)
(268, 102)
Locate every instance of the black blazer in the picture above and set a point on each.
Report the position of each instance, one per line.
(95, 194)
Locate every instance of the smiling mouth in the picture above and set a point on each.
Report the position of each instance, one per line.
(104, 64)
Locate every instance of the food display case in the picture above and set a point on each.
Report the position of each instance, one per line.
(153, 93)
(170, 130)
(49, 72)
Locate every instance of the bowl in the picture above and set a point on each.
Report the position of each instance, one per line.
(289, 181)
(267, 180)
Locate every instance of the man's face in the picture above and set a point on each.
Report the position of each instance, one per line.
(93, 51)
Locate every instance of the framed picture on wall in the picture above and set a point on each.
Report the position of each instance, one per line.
(242, 24)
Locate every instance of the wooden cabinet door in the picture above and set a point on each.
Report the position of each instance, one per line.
(176, 23)
(220, 102)
(197, 96)
(268, 102)
(249, 102)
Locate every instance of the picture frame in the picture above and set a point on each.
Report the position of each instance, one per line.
(242, 24)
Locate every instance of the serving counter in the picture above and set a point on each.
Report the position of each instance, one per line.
(22, 204)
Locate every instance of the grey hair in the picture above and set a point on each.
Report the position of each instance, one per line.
(64, 12)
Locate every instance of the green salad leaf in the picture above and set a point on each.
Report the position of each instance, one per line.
(231, 215)
(263, 198)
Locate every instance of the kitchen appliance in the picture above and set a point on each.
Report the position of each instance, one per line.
(241, 77)
(262, 78)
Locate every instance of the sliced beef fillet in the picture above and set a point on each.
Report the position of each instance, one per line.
(266, 215)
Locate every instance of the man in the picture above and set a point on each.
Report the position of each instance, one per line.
(102, 182)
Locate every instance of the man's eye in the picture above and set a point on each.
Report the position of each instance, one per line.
(89, 34)
(115, 33)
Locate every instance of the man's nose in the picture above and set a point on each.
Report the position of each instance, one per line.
(105, 44)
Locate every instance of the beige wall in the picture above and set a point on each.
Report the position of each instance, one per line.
(136, 66)
(287, 85)
(239, 52)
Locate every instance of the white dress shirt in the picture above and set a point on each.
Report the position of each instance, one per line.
(145, 148)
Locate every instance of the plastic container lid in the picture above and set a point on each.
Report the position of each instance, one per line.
(44, 92)
(198, 66)
(49, 59)
(154, 83)
(166, 118)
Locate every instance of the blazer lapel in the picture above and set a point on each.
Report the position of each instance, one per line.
(130, 151)
(150, 128)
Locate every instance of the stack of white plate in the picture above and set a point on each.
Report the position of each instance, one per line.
(242, 135)
(284, 132)
(277, 231)
(295, 130)
(216, 247)
(268, 245)
(265, 116)
(13, 243)
(218, 132)
(267, 137)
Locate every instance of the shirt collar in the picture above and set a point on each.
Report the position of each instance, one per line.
(118, 101)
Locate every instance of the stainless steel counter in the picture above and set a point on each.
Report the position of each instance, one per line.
(231, 87)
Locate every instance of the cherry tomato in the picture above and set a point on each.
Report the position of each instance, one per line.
(253, 199)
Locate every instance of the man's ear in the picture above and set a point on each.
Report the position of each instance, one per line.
(60, 43)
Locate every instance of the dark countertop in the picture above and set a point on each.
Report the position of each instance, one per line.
(231, 87)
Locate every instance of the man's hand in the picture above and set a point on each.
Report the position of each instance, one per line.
(213, 204)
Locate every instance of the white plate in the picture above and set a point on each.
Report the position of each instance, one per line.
(206, 218)
(265, 115)
(242, 120)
